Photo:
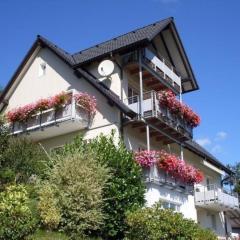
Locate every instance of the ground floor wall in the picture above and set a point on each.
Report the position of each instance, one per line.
(55, 142)
(179, 202)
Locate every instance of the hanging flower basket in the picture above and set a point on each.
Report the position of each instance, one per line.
(146, 158)
(57, 102)
(168, 99)
(87, 102)
(171, 164)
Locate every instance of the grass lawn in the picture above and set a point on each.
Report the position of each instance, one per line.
(44, 235)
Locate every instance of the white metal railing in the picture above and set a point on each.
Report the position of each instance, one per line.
(158, 64)
(161, 64)
(152, 108)
(70, 111)
(212, 194)
(162, 178)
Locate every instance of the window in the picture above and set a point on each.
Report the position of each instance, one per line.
(169, 205)
(132, 95)
(42, 69)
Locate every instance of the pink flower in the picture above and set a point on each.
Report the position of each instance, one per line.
(89, 103)
(146, 158)
(168, 99)
(43, 104)
(22, 114)
(59, 100)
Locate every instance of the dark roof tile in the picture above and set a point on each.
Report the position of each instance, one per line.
(146, 33)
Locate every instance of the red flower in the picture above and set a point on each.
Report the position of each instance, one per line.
(59, 100)
(168, 99)
(178, 168)
(43, 104)
(23, 113)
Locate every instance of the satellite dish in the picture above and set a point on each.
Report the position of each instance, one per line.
(106, 68)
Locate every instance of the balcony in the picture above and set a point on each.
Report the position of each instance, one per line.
(53, 122)
(166, 181)
(214, 198)
(160, 117)
(158, 73)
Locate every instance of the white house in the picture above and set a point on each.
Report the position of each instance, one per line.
(140, 64)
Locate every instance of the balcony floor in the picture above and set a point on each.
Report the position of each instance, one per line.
(54, 129)
(164, 134)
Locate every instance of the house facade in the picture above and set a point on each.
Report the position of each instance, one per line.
(127, 76)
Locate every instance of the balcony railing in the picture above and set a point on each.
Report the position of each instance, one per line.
(68, 118)
(215, 198)
(152, 109)
(165, 180)
(159, 66)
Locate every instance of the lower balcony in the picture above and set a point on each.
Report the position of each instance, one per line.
(214, 198)
(159, 117)
(166, 181)
(53, 122)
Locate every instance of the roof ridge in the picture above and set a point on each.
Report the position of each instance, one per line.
(121, 35)
(56, 48)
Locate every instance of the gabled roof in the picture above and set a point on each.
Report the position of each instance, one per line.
(67, 58)
(138, 36)
(195, 147)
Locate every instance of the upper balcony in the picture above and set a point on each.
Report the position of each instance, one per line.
(160, 116)
(214, 198)
(53, 122)
(158, 73)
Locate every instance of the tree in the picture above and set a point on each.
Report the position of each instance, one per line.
(236, 169)
(75, 195)
(124, 190)
(22, 159)
(4, 135)
(154, 223)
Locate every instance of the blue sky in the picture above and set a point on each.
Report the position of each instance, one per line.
(209, 30)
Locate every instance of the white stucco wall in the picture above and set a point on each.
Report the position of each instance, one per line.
(135, 140)
(60, 77)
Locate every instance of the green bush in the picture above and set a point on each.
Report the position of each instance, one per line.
(16, 218)
(163, 224)
(25, 159)
(78, 182)
(48, 207)
(124, 190)
(47, 235)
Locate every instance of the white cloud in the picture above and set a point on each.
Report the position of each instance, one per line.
(220, 136)
(204, 141)
(216, 149)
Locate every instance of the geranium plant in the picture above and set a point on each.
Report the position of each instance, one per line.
(178, 168)
(60, 100)
(168, 99)
(22, 114)
(87, 102)
(171, 164)
(146, 158)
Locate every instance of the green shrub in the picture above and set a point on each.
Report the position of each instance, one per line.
(124, 190)
(16, 218)
(156, 223)
(48, 207)
(79, 182)
(25, 159)
(47, 235)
